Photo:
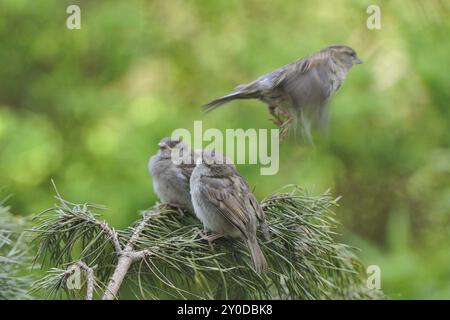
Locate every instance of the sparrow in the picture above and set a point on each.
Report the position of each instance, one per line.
(300, 90)
(223, 202)
(170, 178)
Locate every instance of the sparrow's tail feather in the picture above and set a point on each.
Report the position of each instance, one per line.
(259, 261)
(216, 103)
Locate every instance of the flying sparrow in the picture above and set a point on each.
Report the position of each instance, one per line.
(225, 205)
(300, 90)
(171, 178)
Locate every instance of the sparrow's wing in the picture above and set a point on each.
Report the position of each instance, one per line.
(230, 196)
(307, 81)
(266, 82)
(260, 215)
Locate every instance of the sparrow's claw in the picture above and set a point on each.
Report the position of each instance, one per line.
(276, 121)
(278, 114)
(284, 128)
(274, 111)
(174, 206)
(181, 212)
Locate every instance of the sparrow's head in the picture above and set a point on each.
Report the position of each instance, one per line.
(213, 161)
(344, 55)
(166, 145)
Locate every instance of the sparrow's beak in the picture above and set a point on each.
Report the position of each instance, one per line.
(163, 146)
(358, 61)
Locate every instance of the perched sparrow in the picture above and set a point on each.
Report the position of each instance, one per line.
(170, 179)
(225, 205)
(299, 90)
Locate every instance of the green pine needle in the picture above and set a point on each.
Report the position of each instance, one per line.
(305, 261)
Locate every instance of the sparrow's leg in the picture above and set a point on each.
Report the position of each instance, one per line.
(210, 238)
(284, 128)
(273, 110)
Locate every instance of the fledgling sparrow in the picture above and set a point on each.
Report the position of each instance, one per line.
(225, 205)
(300, 90)
(171, 179)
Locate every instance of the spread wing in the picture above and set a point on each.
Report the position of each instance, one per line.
(231, 197)
(307, 81)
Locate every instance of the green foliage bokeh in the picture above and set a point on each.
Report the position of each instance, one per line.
(87, 108)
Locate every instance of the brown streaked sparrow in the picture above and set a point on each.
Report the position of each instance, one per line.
(225, 205)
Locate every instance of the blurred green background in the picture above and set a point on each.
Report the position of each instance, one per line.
(87, 108)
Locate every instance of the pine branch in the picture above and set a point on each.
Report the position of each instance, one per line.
(68, 228)
(13, 256)
(127, 256)
(162, 256)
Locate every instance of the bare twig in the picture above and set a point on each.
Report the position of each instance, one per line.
(112, 234)
(126, 258)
